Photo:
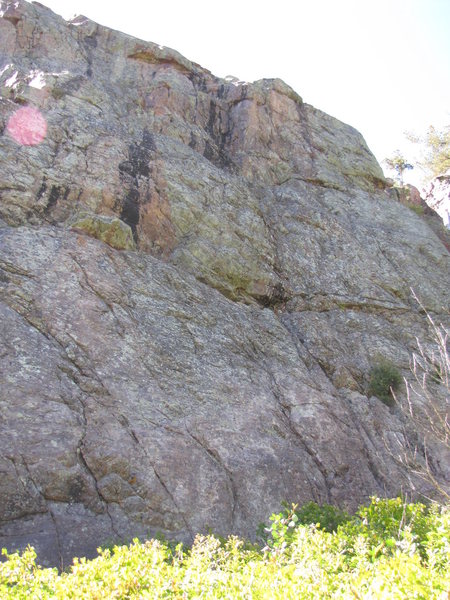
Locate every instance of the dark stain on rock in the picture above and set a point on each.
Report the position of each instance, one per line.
(139, 157)
(56, 192)
(42, 189)
(193, 141)
(90, 43)
(217, 126)
(131, 171)
(198, 81)
(91, 40)
(211, 119)
(130, 210)
(76, 487)
(209, 152)
(275, 299)
(219, 134)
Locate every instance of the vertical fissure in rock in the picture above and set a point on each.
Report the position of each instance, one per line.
(174, 502)
(58, 539)
(217, 460)
(161, 481)
(301, 349)
(109, 305)
(46, 504)
(366, 439)
(103, 500)
(298, 438)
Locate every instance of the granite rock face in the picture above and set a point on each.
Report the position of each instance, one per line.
(197, 276)
(431, 208)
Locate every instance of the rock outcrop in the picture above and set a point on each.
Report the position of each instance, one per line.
(437, 196)
(430, 208)
(197, 276)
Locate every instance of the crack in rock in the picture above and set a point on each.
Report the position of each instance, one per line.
(216, 458)
(164, 486)
(298, 438)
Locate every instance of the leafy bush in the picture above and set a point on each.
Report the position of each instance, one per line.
(323, 516)
(389, 549)
(384, 379)
(386, 522)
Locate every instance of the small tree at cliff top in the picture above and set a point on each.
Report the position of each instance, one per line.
(399, 165)
(436, 150)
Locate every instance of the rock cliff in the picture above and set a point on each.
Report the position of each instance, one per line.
(433, 207)
(197, 276)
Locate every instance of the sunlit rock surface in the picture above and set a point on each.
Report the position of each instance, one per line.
(219, 364)
(437, 195)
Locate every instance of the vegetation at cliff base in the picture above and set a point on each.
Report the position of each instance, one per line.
(389, 549)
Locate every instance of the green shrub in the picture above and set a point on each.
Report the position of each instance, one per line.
(384, 378)
(323, 516)
(389, 549)
(385, 523)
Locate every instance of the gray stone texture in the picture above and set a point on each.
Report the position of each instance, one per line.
(219, 363)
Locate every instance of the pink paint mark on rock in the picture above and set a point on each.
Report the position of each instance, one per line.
(27, 126)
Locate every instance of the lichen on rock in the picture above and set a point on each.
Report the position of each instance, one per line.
(110, 230)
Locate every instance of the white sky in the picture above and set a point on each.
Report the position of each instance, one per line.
(381, 66)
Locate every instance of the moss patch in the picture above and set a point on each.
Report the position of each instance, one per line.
(110, 230)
